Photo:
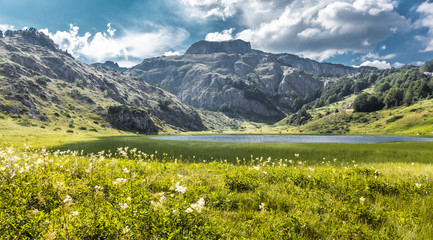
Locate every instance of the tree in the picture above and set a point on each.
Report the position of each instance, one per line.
(366, 102)
(428, 66)
(408, 96)
(393, 98)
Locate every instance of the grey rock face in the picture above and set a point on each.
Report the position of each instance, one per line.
(314, 67)
(206, 47)
(131, 119)
(256, 86)
(230, 75)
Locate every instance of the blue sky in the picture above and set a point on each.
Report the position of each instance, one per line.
(380, 33)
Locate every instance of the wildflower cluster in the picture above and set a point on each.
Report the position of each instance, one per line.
(131, 194)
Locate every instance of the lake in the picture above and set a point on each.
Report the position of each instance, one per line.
(294, 139)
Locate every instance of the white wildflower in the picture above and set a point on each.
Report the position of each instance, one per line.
(75, 213)
(98, 188)
(296, 154)
(35, 211)
(188, 210)
(199, 205)
(2, 168)
(126, 230)
(418, 185)
(119, 181)
(67, 199)
(180, 188)
(257, 168)
(128, 199)
(362, 200)
(126, 170)
(262, 207)
(123, 205)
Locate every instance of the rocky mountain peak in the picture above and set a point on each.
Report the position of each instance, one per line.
(207, 47)
(32, 36)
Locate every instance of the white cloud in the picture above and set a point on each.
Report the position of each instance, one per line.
(225, 35)
(320, 29)
(171, 53)
(130, 48)
(5, 27)
(207, 9)
(376, 63)
(426, 21)
(398, 64)
(376, 56)
(317, 29)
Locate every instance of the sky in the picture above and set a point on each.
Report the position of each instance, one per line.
(380, 33)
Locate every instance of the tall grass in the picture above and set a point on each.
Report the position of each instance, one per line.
(129, 194)
(312, 153)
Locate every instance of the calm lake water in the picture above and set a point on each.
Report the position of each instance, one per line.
(295, 139)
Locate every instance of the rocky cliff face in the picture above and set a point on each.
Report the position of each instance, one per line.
(230, 77)
(131, 119)
(316, 68)
(40, 81)
(206, 47)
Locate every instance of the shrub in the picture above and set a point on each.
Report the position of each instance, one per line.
(164, 104)
(366, 102)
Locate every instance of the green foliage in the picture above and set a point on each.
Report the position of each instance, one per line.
(164, 104)
(128, 194)
(299, 118)
(428, 66)
(393, 98)
(79, 82)
(394, 118)
(366, 102)
(41, 80)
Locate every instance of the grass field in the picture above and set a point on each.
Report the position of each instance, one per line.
(132, 195)
(134, 187)
(312, 154)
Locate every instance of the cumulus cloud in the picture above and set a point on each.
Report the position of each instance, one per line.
(225, 35)
(207, 9)
(426, 21)
(376, 63)
(320, 29)
(376, 56)
(398, 65)
(171, 53)
(127, 49)
(5, 27)
(317, 29)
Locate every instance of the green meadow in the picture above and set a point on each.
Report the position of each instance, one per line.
(109, 186)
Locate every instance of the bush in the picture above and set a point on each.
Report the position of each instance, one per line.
(70, 131)
(42, 80)
(164, 104)
(366, 102)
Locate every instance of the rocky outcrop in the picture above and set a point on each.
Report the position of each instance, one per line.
(315, 67)
(207, 47)
(131, 119)
(110, 65)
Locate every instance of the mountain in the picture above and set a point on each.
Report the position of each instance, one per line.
(231, 77)
(43, 83)
(110, 65)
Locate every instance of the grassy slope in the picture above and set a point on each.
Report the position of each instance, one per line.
(416, 119)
